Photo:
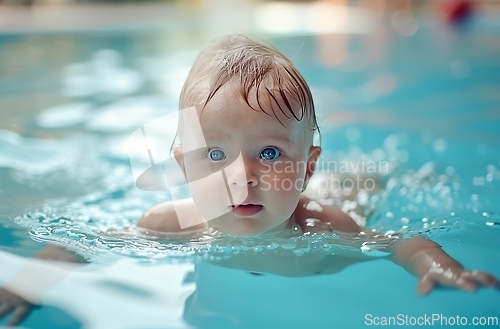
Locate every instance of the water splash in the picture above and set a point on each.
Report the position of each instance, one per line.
(101, 224)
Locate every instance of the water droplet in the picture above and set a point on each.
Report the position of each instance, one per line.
(299, 252)
(58, 231)
(491, 169)
(487, 214)
(378, 154)
(404, 156)
(258, 249)
(371, 248)
(288, 246)
(272, 246)
(478, 180)
(493, 223)
(75, 236)
(440, 145)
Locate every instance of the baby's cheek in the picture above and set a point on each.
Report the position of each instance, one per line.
(283, 182)
(282, 192)
(210, 196)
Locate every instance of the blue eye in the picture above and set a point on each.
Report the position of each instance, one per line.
(270, 153)
(216, 155)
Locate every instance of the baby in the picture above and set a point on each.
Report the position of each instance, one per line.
(246, 150)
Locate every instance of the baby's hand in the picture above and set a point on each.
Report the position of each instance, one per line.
(454, 276)
(12, 303)
(425, 259)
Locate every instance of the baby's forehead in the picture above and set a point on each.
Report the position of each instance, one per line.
(231, 115)
(272, 109)
(279, 105)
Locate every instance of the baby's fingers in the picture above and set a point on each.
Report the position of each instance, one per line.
(19, 314)
(485, 279)
(4, 309)
(429, 281)
(425, 285)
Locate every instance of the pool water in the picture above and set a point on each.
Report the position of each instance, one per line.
(428, 105)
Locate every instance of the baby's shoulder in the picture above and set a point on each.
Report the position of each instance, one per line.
(178, 217)
(310, 213)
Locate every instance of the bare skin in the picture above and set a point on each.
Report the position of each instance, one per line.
(16, 300)
(421, 257)
(242, 129)
(15, 304)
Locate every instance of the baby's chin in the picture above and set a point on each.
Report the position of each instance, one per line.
(243, 227)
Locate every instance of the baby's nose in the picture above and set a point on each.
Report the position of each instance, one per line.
(251, 181)
(241, 173)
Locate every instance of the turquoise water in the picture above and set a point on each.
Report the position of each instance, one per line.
(428, 105)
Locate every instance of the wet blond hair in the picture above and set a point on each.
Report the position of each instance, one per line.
(253, 66)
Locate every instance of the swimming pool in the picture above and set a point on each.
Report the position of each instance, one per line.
(427, 104)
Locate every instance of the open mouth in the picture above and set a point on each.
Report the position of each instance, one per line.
(246, 209)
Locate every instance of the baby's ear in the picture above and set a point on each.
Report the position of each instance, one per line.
(314, 153)
(179, 156)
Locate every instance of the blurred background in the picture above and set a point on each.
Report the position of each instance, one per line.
(40, 38)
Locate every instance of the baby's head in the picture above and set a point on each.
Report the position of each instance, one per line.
(253, 156)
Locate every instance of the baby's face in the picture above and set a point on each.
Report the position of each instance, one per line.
(249, 177)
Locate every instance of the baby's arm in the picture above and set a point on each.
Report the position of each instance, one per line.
(164, 217)
(47, 268)
(333, 217)
(433, 267)
(421, 257)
